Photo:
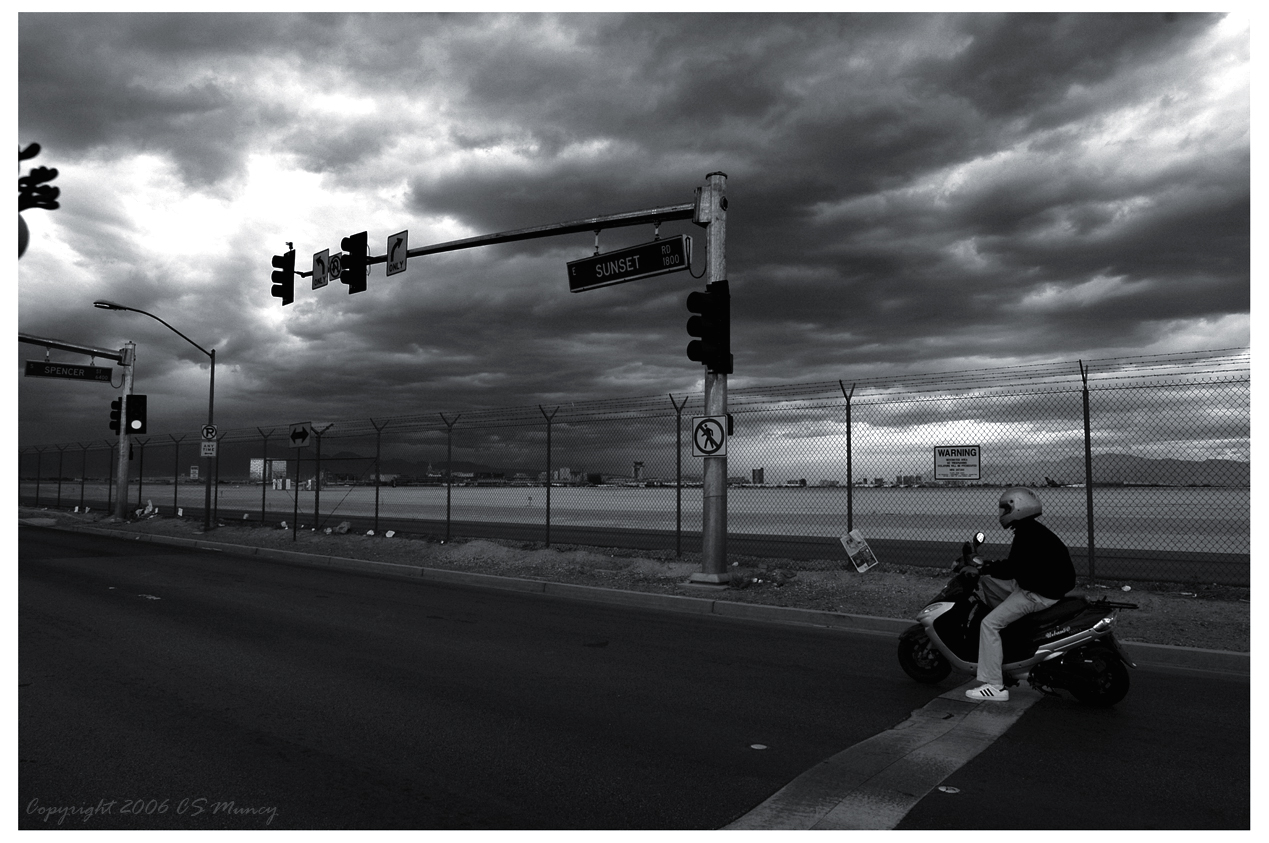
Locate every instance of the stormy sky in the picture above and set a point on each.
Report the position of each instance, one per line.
(907, 193)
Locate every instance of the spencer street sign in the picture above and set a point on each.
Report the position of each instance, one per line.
(643, 261)
(45, 369)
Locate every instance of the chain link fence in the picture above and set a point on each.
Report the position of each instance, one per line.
(1143, 465)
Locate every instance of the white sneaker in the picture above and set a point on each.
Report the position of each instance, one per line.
(988, 692)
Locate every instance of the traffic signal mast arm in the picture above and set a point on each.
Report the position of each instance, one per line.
(652, 215)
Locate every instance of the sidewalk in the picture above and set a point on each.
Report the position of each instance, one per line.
(1145, 655)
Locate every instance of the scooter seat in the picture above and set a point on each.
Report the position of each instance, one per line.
(1063, 610)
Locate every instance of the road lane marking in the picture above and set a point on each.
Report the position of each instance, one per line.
(876, 782)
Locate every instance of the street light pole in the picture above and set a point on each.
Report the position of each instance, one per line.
(211, 393)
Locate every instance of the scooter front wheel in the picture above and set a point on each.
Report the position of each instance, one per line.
(919, 657)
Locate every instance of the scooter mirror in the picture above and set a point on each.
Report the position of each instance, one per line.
(979, 538)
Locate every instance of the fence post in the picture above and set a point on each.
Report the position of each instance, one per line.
(317, 477)
(266, 475)
(295, 498)
(176, 472)
(449, 463)
(60, 451)
(141, 472)
(548, 469)
(678, 475)
(110, 483)
(378, 451)
(83, 474)
(216, 481)
(39, 458)
(850, 475)
(1088, 480)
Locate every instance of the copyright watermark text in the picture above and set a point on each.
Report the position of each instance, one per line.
(190, 807)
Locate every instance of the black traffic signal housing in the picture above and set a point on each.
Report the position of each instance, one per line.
(134, 417)
(713, 325)
(353, 272)
(116, 414)
(284, 277)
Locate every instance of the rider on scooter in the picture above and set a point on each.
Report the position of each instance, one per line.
(1037, 573)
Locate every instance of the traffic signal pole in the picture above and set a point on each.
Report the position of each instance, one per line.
(714, 504)
(121, 475)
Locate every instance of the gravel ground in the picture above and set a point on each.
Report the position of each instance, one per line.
(1188, 615)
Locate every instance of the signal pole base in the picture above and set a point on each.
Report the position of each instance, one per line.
(709, 580)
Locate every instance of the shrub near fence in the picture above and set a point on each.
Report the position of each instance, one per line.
(1167, 439)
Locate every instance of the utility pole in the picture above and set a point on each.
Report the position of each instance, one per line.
(714, 505)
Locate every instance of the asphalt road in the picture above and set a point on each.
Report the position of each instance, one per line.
(165, 688)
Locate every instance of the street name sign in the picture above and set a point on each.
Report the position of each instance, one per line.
(70, 371)
(643, 261)
(321, 269)
(957, 462)
(709, 436)
(397, 248)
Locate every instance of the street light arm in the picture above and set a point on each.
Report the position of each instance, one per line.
(169, 327)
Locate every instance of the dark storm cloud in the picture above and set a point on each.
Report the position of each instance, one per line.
(905, 190)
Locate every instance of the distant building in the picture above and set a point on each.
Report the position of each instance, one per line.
(759, 476)
(638, 470)
(276, 469)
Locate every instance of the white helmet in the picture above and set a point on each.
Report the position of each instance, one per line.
(1017, 503)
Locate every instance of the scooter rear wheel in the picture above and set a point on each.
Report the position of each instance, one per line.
(1108, 680)
(919, 657)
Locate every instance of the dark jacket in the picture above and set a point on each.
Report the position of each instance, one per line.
(1038, 561)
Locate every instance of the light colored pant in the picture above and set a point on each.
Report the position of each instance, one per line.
(1010, 603)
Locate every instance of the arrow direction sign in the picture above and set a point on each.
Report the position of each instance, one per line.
(644, 261)
(300, 434)
(70, 371)
(397, 248)
(321, 268)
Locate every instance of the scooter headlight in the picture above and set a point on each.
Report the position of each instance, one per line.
(933, 610)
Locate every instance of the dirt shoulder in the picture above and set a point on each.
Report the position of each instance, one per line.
(1186, 615)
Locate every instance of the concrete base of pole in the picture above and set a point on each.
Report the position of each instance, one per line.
(709, 580)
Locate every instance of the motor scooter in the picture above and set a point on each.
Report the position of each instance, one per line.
(1070, 646)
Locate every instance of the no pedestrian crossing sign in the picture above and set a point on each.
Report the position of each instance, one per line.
(709, 436)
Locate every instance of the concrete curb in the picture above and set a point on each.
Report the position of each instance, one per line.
(1145, 655)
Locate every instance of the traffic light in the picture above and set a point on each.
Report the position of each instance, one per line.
(713, 325)
(116, 413)
(284, 277)
(353, 272)
(135, 415)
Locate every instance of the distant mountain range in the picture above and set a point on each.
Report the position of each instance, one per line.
(1123, 468)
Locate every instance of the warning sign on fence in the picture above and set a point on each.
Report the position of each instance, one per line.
(957, 462)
